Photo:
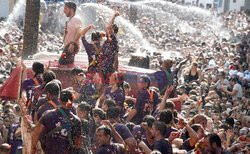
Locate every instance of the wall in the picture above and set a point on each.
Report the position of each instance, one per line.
(4, 8)
(236, 6)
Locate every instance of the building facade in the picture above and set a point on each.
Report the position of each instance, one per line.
(6, 7)
(221, 5)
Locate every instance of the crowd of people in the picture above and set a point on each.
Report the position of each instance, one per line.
(199, 104)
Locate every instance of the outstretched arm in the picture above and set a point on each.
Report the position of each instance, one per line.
(111, 23)
(82, 32)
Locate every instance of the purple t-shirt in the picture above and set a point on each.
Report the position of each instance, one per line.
(110, 149)
(90, 49)
(109, 50)
(142, 99)
(58, 142)
(118, 96)
(123, 131)
(163, 146)
(169, 130)
(45, 107)
(186, 146)
(28, 86)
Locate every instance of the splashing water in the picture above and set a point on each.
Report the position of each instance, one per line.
(153, 31)
(128, 32)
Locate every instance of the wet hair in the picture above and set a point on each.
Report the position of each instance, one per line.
(233, 79)
(105, 129)
(222, 73)
(100, 113)
(66, 95)
(166, 116)
(17, 108)
(95, 36)
(214, 138)
(48, 76)
(120, 80)
(149, 119)
(71, 5)
(110, 103)
(198, 117)
(38, 68)
(195, 64)
(113, 112)
(130, 126)
(84, 107)
(58, 82)
(115, 28)
(230, 121)
(161, 127)
(126, 85)
(146, 79)
(52, 88)
(170, 105)
(76, 71)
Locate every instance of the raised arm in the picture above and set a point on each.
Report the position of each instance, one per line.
(111, 23)
(115, 134)
(82, 32)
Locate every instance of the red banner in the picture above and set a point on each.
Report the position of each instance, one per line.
(9, 90)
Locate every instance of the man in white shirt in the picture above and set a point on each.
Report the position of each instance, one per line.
(237, 92)
(71, 39)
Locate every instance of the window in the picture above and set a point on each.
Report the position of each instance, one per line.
(220, 3)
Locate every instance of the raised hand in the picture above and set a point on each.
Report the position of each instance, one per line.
(169, 90)
(117, 13)
(91, 26)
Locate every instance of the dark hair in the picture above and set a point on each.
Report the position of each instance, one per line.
(17, 108)
(146, 79)
(71, 5)
(83, 107)
(66, 95)
(38, 68)
(115, 28)
(95, 36)
(233, 79)
(222, 73)
(214, 138)
(120, 80)
(105, 129)
(161, 127)
(100, 113)
(113, 112)
(166, 116)
(170, 105)
(58, 82)
(110, 103)
(76, 71)
(126, 85)
(48, 76)
(130, 126)
(149, 119)
(230, 121)
(52, 88)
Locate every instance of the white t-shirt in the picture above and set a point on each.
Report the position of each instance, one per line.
(237, 87)
(72, 26)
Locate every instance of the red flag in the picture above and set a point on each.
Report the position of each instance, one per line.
(10, 88)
